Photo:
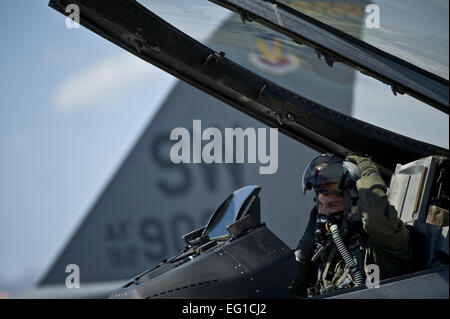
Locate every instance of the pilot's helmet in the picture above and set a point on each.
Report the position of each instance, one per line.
(329, 174)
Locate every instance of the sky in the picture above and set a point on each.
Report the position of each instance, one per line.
(72, 106)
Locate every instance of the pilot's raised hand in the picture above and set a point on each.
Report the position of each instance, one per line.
(365, 164)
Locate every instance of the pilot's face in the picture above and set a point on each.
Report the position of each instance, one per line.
(330, 204)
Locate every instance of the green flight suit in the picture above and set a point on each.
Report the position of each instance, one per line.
(388, 245)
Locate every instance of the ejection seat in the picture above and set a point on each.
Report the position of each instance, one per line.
(419, 192)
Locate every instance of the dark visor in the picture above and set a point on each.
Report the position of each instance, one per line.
(324, 174)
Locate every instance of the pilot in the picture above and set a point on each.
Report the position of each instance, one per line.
(351, 228)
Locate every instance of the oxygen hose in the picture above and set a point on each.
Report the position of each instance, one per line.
(348, 259)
